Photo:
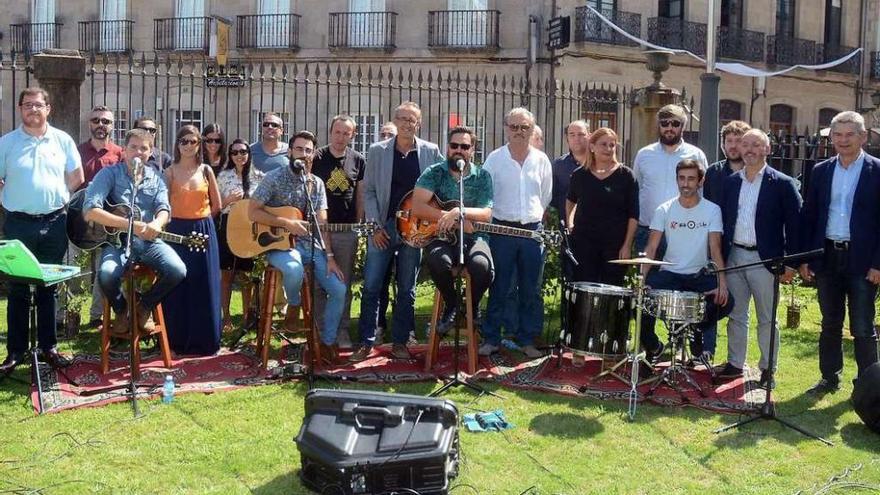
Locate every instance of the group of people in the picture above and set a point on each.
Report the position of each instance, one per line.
(670, 205)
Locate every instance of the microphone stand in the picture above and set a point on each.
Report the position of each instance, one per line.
(315, 232)
(768, 409)
(455, 380)
(565, 253)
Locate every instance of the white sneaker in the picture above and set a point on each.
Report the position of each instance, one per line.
(487, 349)
(531, 351)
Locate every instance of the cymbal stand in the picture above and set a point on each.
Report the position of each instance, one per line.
(676, 374)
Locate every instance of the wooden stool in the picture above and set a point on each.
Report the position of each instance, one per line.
(467, 330)
(264, 332)
(140, 272)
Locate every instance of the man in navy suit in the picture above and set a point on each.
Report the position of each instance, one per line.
(750, 237)
(842, 216)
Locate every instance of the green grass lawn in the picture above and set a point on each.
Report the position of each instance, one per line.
(241, 441)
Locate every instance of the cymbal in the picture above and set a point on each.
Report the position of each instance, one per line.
(640, 261)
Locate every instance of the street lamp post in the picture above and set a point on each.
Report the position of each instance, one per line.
(709, 82)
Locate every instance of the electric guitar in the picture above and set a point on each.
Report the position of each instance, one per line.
(418, 232)
(248, 239)
(91, 235)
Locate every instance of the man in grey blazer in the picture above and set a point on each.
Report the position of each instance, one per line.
(393, 166)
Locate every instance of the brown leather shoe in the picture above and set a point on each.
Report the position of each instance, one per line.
(119, 326)
(362, 353)
(145, 320)
(330, 355)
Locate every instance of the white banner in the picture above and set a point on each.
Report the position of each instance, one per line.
(730, 67)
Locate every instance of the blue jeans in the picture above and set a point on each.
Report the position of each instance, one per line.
(403, 318)
(157, 255)
(291, 264)
(527, 257)
(47, 239)
(837, 289)
(706, 331)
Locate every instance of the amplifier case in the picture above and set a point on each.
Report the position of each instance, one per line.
(359, 442)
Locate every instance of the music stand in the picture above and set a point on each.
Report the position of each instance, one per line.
(455, 380)
(768, 409)
(20, 266)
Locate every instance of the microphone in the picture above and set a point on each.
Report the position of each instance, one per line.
(459, 165)
(298, 166)
(138, 166)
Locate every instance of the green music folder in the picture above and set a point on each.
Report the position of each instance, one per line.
(18, 263)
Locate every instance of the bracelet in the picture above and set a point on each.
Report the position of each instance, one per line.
(331, 255)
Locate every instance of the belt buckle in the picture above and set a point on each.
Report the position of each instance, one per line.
(840, 245)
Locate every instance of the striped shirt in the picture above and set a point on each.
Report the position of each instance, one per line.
(744, 232)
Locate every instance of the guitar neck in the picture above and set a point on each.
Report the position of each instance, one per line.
(169, 237)
(494, 228)
(340, 227)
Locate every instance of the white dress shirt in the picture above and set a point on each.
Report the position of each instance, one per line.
(654, 169)
(522, 192)
(744, 231)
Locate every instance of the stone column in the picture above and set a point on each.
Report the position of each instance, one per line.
(648, 100)
(61, 73)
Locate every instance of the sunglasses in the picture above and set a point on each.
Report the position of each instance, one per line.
(151, 130)
(213, 140)
(238, 153)
(462, 146)
(519, 127)
(307, 151)
(670, 123)
(97, 121)
(273, 125)
(187, 142)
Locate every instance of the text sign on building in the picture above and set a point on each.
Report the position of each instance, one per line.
(559, 32)
(231, 76)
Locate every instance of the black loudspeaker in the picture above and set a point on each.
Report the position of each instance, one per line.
(866, 397)
(361, 442)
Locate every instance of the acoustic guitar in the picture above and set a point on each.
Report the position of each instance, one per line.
(91, 235)
(418, 232)
(248, 239)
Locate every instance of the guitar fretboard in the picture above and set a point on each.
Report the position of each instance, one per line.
(494, 228)
(175, 238)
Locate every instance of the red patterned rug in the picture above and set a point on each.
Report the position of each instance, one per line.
(229, 370)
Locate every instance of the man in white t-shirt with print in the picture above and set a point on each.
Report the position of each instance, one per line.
(692, 227)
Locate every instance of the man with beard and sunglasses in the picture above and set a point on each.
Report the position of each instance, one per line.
(270, 152)
(442, 180)
(654, 168)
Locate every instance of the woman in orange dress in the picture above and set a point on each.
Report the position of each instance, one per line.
(192, 309)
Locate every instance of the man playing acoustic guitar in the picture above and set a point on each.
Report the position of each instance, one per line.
(115, 185)
(284, 187)
(441, 180)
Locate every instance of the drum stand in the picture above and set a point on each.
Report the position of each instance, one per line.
(676, 375)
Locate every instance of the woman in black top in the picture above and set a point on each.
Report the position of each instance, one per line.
(602, 211)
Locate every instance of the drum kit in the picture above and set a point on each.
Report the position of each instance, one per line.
(598, 325)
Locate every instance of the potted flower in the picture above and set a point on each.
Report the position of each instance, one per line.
(793, 310)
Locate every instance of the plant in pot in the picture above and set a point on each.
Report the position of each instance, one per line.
(795, 304)
(74, 294)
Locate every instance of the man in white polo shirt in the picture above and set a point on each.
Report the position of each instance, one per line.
(692, 227)
(654, 167)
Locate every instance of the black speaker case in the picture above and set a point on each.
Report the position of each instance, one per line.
(359, 442)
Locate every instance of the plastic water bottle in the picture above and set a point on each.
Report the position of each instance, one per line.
(168, 390)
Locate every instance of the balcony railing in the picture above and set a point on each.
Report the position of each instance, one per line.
(268, 31)
(362, 30)
(33, 38)
(188, 34)
(588, 26)
(830, 53)
(783, 50)
(463, 29)
(105, 36)
(678, 33)
(740, 44)
(875, 66)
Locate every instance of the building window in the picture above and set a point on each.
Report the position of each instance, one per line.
(673, 9)
(599, 109)
(832, 22)
(732, 13)
(368, 126)
(729, 110)
(467, 29)
(825, 116)
(120, 126)
(43, 33)
(274, 28)
(113, 33)
(603, 6)
(785, 18)
(190, 31)
(366, 29)
(781, 120)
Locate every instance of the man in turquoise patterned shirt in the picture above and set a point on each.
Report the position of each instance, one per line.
(441, 180)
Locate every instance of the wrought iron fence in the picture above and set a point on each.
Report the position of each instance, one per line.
(829, 53)
(105, 36)
(740, 44)
(174, 90)
(875, 66)
(463, 29)
(783, 50)
(678, 33)
(588, 26)
(30, 38)
(191, 34)
(362, 30)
